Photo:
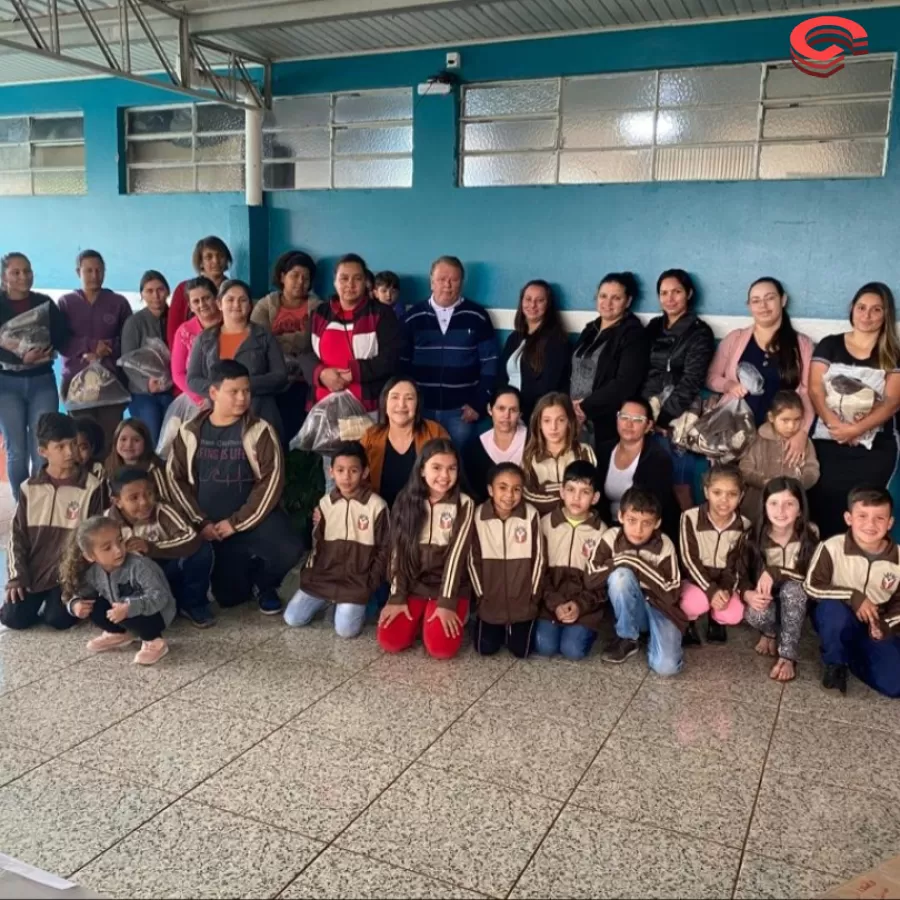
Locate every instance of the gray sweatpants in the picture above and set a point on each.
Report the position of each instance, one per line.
(783, 617)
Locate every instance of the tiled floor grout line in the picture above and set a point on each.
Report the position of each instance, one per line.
(565, 803)
(762, 774)
(388, 786)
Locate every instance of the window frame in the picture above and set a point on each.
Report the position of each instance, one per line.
(31, 144)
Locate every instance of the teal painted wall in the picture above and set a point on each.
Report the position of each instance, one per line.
(823, 238)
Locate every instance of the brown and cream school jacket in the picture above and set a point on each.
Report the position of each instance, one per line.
(841, 571)
(351, 545)
(506, 564)
(655, 564)
(45, 517)
(443, 555)
(570, 549)
(544, 477)
(712, 558)
(782, 562)
(167, 531)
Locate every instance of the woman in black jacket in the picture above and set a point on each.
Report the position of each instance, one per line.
(27, 383)
(635, 460)
(537, 356)
(681, 349)
(610, 359)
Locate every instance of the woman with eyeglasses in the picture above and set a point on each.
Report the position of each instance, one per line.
(635, 461)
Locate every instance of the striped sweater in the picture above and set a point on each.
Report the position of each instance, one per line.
(455, 369)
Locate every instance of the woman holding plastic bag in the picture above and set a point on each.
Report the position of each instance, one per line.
(772, 356)
(145, 358)
(855, 388)
(96, 317)
(32, 331)
(356, 343)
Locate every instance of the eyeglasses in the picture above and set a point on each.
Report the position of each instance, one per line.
(637, 420)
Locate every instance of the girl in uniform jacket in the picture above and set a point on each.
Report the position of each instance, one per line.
(610, 359)
(245, 342)
(537, 357)
(681, 349)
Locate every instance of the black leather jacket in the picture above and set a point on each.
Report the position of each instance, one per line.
(679, 356)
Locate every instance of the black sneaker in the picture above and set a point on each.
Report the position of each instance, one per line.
(715, 632)
(835, 678)
(269, 603)
(619, 649)
(199, 618)
(690, 638)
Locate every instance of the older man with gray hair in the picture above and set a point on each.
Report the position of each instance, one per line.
(451, 352)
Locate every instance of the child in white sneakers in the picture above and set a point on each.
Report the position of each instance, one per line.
(123, 593)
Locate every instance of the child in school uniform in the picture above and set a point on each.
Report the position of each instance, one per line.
(132, 446)
(767, 456)
(123, 593)
(710, 538)
(637, 568)
(552, 445)
(51, 504)
(162, 533)
(431, 530)
(775, 560)
(89, 443)
(571, 611)
(506, 565)
(351, 544)
(855, 580)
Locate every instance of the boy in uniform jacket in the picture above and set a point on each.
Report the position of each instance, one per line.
(855, 577)
(506, 565)
(51, 504)
(637, 567)
(351, 545)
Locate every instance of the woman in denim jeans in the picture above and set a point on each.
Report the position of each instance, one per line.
(25, 393)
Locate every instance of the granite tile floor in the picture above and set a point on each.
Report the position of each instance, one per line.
(255, 761)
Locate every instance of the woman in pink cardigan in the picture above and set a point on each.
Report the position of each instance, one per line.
(201, 298)
(779, 354)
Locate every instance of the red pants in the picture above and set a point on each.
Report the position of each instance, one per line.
(401, 633)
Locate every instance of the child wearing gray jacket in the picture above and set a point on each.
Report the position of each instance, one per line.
(125, 594)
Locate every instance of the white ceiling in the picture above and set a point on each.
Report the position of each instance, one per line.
(303, 29)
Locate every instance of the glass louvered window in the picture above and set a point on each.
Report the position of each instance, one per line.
(42, 154)
(722, 123)
(185, 148)
(349, 140)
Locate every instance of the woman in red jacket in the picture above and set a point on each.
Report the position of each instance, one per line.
(212, 259)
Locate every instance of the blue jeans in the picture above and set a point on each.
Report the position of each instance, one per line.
(23, 400)
(349, 618)
(573, 641)
(845, 641)
(189, 578)
(634, 615)
(150, 409)
(460, 432)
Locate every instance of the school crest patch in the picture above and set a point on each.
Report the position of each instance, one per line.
(152, 534)
(446, 521)
(889, 582)
(362, 523)
(72, 511)
(520, 535)
(588, 548)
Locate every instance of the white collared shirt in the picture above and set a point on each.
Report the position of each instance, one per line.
(444, 313)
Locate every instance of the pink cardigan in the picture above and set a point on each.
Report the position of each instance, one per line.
(185, 335)
(722, 372)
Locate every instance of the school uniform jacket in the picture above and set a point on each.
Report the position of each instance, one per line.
(544, 478)
(45, 518)
(167, 531)
(351, 545)
(841, 571)
(264, 454)
(506, 564)
(655, 564)
(782, 563)
(155, 468)
(570, 549)
(712, 558)
(443, 555)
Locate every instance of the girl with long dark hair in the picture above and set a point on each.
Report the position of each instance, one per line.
(431, 530)
(536, 358)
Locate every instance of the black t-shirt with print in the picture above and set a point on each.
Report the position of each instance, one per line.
(224, 476)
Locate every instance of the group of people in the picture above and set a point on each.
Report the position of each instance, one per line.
(577, 495)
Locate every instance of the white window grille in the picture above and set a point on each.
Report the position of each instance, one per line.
(42, 154)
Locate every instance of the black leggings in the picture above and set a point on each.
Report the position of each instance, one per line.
(147, 628)
(488, 639)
